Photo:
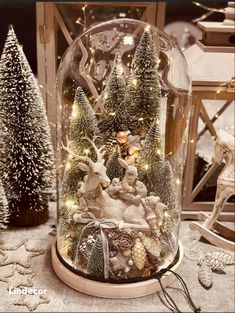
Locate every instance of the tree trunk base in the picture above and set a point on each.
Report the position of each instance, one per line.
(28, 218)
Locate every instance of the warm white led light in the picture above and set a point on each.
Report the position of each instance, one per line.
(86, 151)
(146, 166)
(134, 82)
(69, 203)
(128, 40)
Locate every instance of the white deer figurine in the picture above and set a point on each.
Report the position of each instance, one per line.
(127, 210)
(96, 178)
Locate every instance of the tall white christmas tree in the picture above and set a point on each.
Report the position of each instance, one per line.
(2, 145)
(28, 157)
(4, 212)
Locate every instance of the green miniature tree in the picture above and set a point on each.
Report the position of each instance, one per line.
(151, 155)
(156, 171)
(114, 169)
(114, 116)
(83, 124)
(143, 96)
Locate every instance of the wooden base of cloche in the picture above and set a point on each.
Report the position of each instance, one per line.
(112, 290)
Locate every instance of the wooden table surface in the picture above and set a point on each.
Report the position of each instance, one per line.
(219, 298)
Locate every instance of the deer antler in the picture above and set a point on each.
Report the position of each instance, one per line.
(98, 152)
(66, 148)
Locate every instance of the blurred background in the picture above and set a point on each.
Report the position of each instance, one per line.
(178, 21)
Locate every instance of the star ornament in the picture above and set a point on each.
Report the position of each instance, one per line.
(32, 301)
(119, 262)
(2, 256)
(20, 254)
(5, 271)
(19, 278)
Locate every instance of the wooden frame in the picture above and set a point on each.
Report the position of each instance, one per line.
(191, 207)
(46, 50)
(48, 21)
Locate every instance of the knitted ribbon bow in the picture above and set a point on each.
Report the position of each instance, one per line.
(91, 222)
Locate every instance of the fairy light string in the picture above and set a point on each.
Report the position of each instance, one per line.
(207, 14)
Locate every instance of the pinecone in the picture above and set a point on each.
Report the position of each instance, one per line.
(217, 259)
(169, 241)
(110, 144)
(139, 254)
(205, 275)
(90, 240)
(86, 246)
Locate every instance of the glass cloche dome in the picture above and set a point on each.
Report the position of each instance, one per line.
(122, 97)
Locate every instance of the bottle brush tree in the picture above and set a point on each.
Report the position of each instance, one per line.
(114, 116)
(155, 170)
(143, 95)
(4, 211)
(83, 124)
(28, 158)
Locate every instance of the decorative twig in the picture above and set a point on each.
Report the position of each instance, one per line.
(87, 77)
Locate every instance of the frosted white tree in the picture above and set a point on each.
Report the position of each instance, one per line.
(28, 157)
(4, 213)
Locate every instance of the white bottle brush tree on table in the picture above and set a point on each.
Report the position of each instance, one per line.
(28, 157)
(4, 212)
